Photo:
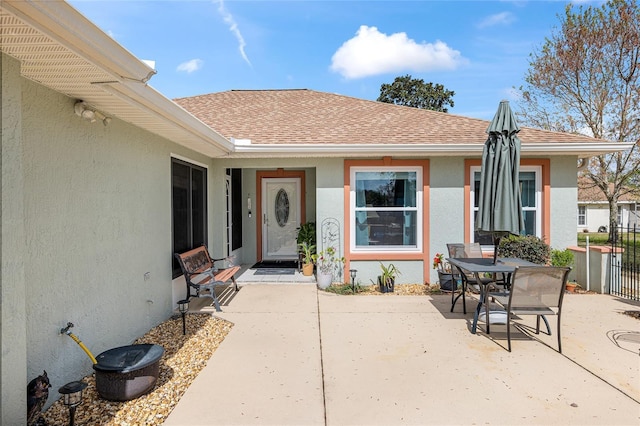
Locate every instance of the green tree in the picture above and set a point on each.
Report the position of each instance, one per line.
(585, 79)
(416, 93)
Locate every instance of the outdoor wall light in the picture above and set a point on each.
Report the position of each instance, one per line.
(72, 397)
(90, 114)
(183, 307)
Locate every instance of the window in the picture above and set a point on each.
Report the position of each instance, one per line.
(582, 215)
(619, 216)
(531, 193)
(234, 208)
(387, 206)
(189, 207)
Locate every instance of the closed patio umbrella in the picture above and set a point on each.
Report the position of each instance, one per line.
(500, 204)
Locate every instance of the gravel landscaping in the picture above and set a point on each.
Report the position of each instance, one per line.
(184, 357)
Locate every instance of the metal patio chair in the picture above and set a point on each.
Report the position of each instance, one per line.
(535, 290)
(467, 279)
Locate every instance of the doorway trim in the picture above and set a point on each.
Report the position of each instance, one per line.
(278, 173)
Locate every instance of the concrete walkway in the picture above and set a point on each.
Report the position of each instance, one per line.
(298, 356)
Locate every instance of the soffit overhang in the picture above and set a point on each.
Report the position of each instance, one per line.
(61, 49)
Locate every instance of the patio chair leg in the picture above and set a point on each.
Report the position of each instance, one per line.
(545, 323)
(464, 302)
(559, 341)
(476, 314)
(509, 333)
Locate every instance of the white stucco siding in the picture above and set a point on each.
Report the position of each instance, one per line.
(564, 199)
(97, 216)
(597, 216)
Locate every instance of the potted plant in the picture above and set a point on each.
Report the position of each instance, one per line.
(571, 286)
(306, 234)
(327, 262)
(387, 279)
(445, 278)
(307, 252)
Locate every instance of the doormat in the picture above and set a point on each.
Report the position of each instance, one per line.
(276, 264)
(273, 271)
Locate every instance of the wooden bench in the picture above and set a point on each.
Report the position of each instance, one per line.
(201, 274)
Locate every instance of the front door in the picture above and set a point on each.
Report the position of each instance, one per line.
(281, 214)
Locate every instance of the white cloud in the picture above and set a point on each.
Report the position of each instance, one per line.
(504, 18)
(233, 27)
(371, 52)
(190, 66)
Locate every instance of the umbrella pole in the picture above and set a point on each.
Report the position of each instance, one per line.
(496, 243)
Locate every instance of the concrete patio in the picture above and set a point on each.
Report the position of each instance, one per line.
(299, 356)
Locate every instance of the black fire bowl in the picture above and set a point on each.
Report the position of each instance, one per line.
(127, 372)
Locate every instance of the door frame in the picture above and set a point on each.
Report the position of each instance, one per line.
(278, 173)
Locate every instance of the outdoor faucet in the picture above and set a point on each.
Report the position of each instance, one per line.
(66, 330)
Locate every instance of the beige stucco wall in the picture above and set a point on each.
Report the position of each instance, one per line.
(86, 212)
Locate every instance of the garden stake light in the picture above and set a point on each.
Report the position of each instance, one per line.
(183, 307)
(72, 397)
(353, 273)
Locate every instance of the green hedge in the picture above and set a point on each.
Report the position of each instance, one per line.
(527, 247)
(561, 257)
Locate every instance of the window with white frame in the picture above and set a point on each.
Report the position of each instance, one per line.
(531, 193)
(387, 209)
(582, 215)
(619, 216)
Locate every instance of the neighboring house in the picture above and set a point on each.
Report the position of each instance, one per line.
(97, 195)
(593, 209)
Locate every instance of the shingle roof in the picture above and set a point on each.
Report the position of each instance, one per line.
(589, 193)
(306, 116)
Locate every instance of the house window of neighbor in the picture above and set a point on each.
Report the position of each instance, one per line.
(387, 205)
(531, 193)
(582, 215)
(189, 207)
(619, 216)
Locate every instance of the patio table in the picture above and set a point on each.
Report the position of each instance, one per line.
(479, 266)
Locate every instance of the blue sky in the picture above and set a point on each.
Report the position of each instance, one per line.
(479, 49)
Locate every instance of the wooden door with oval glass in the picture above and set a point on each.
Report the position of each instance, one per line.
(281, 212)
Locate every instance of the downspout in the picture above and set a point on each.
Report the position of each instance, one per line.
(583, 163)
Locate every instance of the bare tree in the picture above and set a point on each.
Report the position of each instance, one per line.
(585, 79)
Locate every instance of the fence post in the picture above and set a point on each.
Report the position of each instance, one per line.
(588, 270)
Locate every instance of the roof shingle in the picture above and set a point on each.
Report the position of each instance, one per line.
(305, 116)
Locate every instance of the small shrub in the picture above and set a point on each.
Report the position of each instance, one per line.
(345, 289)
(561, 257)
(527, 247)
